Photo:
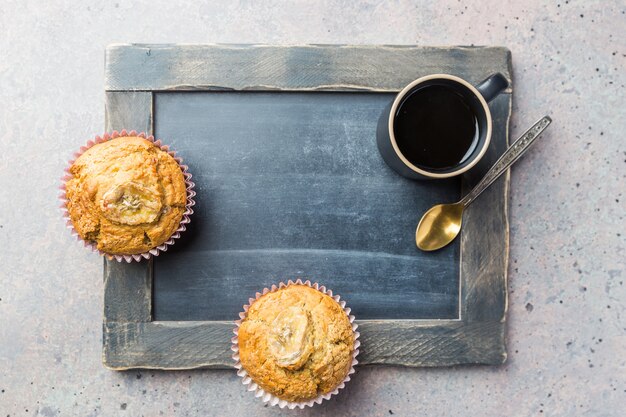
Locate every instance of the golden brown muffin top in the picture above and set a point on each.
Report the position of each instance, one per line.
(126, 195)
(296, 343)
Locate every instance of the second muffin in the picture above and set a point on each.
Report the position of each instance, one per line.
(296, 343)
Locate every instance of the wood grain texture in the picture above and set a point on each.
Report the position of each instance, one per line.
(168, 345)
(485, 233)
(431, 343)
(128, 291)
(131, 340)
(302, 68)
(128, 110)
(201, 344)
(128, 287)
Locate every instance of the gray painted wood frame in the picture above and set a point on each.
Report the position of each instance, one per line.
(132, 339)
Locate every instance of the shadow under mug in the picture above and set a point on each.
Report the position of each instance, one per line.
(477, 99)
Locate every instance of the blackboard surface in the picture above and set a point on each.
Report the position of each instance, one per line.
(290, 185)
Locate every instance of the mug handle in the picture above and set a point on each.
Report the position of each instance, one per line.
(492, 86)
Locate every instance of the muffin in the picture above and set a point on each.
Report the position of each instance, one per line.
(297, 343)
(125, 195)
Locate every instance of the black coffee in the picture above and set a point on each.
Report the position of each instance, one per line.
(435, 128)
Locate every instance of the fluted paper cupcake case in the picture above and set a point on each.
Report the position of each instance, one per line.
(189, 185)
(271, 398)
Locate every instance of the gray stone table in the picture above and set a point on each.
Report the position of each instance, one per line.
(567, 317)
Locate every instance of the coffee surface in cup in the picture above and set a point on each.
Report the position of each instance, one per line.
(435, 128)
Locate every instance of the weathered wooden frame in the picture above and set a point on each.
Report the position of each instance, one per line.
(135, 72)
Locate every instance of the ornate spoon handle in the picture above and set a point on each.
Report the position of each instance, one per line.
(515, 151)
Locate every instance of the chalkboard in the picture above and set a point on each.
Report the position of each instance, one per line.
(292, 185)
(281, 144)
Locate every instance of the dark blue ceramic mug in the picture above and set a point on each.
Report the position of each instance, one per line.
(428, 106)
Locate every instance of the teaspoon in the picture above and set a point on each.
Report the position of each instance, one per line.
(442, 223)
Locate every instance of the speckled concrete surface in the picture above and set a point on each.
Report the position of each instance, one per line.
(567, 328)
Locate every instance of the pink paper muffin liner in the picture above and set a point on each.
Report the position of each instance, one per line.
(271, 398)
(183, 222)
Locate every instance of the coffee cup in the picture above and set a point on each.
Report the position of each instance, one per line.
(438, 126)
